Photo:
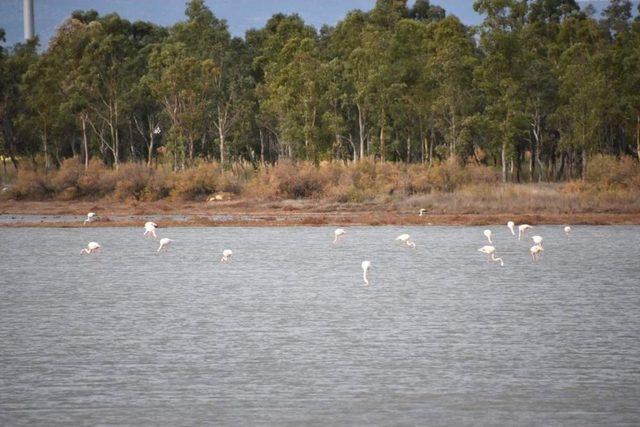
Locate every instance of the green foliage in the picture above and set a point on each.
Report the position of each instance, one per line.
(536, 91)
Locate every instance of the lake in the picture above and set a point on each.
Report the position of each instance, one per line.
(286, 333)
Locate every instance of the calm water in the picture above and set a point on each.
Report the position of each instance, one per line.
(287, 334)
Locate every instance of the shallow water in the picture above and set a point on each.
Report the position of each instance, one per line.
(286, 333)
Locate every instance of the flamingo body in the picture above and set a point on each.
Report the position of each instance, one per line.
(490, 251)
(536, 251)
(226, 255)
(567, 230)
(522, 229)
(406, 239)
(337, 233)
(510, 225)
(91, 216)
(164, 244)
(150, 229)
(91, 248)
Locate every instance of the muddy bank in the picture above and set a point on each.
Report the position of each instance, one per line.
(268, 214)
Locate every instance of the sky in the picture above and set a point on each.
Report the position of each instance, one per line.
(240, 14)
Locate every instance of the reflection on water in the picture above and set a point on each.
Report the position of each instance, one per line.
(287, 333)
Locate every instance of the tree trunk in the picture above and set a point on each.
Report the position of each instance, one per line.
(408, 149)
(382, 143)
(261, 147)
(221, 135)
(503, 157)
(431, 142)
(361, 130)
(151, 141)
(46, 149)
(638, 133)
(584, 165)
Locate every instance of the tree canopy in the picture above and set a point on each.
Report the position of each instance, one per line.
(535, 90)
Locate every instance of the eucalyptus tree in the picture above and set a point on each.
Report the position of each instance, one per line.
(451, 64)
(286, 49)
(500, 74)
(584, 90)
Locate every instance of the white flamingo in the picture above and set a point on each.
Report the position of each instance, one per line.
(422, 212)
(538, 240)
(150, 229)
(487, 234)
(536, 251)
(164, 243)
(404, 238)
(365, 268)
(511, 224)
(91, 248)
(490, 251)
(567, 230)
(339, 232)
(522, 229)
(226, 255)
(91, 216)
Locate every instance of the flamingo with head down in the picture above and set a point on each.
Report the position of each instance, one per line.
(490, 251)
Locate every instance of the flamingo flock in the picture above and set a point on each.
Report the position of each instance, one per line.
(489, 250)
(536, 250)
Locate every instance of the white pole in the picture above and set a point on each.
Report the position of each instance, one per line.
(27, 14)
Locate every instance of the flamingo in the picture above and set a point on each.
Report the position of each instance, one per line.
(91, 248)
(422, 212)
(339, 232)
(404, 238)
(511, 224)
(365, 268)
(523, 229)
(490, 251)
(567, 230)
(91, 216)
(150, 229)
(487, 234)
(536, 251)
(226, 255)
(164, 243)
(538, 240)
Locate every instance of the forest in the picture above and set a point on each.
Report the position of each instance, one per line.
(541, 91)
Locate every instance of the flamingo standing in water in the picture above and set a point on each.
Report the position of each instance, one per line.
(536, 251)
(567, 230)
(522, 229)
(404, 238)
(538, 240)
(490, 251)
(487, 234)
(365, 268)
(91, 248)
(150, 229)
(226, 255)
(164, 243)
(336, 234)
(91, 216)
(511, 224)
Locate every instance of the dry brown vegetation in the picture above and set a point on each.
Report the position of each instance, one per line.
(612, 186)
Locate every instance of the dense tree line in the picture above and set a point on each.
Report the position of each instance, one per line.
(535, 90)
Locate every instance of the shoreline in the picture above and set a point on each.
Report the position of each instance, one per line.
(277, 214)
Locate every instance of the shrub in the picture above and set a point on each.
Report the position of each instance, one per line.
(67, 177)
(97, 181)
(605, 172)
(131, 181)
(196, 183)
(30, 184)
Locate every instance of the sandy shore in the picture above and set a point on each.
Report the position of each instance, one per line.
(268, 214)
